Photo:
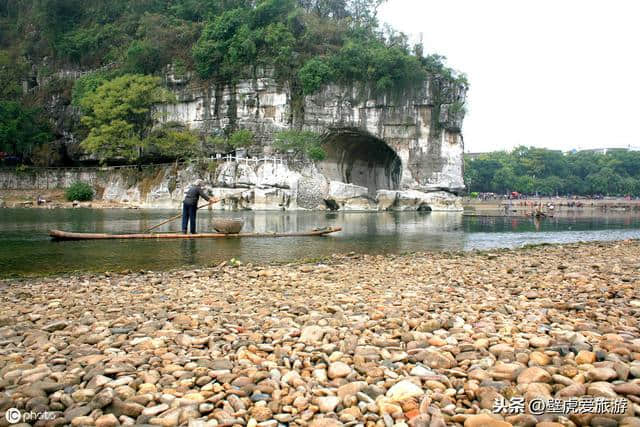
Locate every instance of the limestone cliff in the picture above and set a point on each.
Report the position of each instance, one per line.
(401, 141)
(397, 151)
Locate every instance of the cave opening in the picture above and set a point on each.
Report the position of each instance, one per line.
(359, 158)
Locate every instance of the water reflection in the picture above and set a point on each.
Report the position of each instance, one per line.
(25, 247)
(188, 251)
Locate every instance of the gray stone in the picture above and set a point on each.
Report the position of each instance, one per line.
(55, 326)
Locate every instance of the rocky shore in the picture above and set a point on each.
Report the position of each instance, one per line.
(417, 340)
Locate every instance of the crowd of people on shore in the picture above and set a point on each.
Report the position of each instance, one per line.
(520, 196)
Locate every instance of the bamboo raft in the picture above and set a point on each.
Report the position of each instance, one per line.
(65, 235)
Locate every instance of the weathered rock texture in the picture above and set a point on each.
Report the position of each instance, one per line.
(383, 152)
(249, 184)
(410, 140)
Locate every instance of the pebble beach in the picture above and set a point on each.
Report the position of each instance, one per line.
(425, 339)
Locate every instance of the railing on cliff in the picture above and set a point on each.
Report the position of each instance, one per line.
(255, 160)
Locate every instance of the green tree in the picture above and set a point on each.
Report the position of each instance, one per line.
(119, 116)
(80, 191)
(13, 70)
(540, 162)
(481, 172)
(606, 182)
(326, 8)
(550, 185)
(315, 73)
(504, 180)
(549, 172)
(626, 162)
(93, 45)
(173, 141)
(630, 186)
(305, 143)
(575, 185)
(525, 184)
(87, 84)
(227, 45)
(143, 57)
(241, 138)
(160, 40)
(21, 129)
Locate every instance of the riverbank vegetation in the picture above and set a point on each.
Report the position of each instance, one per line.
(80, 191)
(531, 170)
(69, 49)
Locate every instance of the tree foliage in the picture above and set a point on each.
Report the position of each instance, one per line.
(241, 138)
(305, 143)
(531, 170)
(173, 141)
(86, 85)
(80, 191)
(119, 116)
(309, 44)
(12, 69)
(21, 129)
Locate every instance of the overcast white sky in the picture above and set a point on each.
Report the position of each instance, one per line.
(559, 74)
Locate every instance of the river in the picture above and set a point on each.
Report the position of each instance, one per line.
(26, 250)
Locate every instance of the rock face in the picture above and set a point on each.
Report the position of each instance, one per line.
(401, 152)
(256, 185)
(409, 141)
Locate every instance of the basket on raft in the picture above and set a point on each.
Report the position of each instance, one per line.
(228, 226)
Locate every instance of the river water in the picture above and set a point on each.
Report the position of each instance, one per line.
(26, 250)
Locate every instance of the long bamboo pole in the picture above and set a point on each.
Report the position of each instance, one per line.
(173, 218)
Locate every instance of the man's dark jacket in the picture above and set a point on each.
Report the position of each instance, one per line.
(193, 195)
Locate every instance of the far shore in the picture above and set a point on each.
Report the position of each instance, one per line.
(553, 206)
(562, 206)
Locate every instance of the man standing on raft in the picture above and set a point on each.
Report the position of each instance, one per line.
(190, 205)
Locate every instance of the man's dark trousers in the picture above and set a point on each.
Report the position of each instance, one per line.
(189, 216)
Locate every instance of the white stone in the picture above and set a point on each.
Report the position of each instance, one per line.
(403, 390)
(339, 370)
(328, 403)
(312, 334)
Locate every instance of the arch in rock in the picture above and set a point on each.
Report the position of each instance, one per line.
(357, 157)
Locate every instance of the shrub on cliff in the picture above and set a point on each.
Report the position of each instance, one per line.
(241, 138)
(176, 142)
(88, 84)
(80, 191)
(306, 143)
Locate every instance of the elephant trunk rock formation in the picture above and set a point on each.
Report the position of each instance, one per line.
(397, 150)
